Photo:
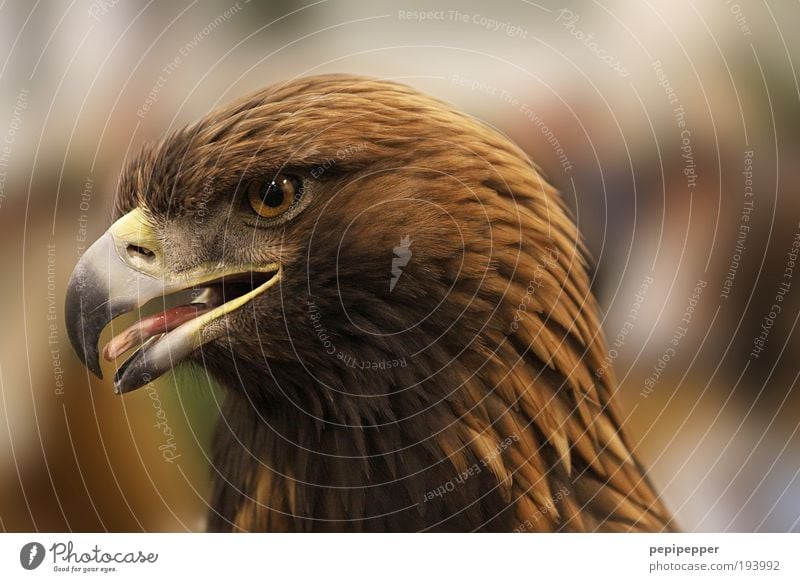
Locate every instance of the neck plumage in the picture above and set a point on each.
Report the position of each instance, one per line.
(282, 471)
(530, 454)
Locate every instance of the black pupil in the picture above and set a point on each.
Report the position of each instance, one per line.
(273, 196)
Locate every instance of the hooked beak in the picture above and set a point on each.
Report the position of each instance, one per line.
(125, 269)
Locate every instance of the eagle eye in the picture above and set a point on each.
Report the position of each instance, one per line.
(272, 198)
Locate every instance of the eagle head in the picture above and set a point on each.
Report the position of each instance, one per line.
(394, 299)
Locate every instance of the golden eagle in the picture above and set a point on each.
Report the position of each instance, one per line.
(396, 303)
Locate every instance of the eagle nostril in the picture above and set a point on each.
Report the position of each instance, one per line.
(140, 253)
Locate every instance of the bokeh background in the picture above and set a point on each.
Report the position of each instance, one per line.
(672, 129)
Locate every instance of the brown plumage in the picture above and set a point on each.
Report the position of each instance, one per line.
(470, 395)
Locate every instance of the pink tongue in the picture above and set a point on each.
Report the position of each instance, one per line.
(151, 326)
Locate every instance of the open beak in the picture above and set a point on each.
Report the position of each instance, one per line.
(124, 270)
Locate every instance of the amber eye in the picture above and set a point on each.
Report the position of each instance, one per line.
(271, 198)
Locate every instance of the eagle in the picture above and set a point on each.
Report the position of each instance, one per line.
(397, 306)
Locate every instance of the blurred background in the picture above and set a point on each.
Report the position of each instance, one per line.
(672, 129)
